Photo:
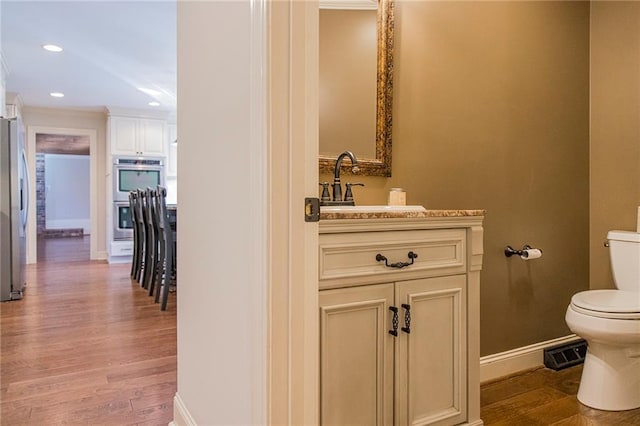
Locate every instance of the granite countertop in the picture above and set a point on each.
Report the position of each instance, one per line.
(396, 215)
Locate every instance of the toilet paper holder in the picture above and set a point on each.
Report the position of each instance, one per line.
(510, 251)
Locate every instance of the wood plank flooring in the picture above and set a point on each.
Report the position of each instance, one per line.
(66, 249)
(545, 397)
(86, 345)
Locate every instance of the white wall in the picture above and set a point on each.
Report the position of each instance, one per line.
(247, 313)
(67, 191)
(221, 306)
(172, 190)
(3, 101)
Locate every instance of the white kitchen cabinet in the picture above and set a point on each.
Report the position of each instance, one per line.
(421, 368)
(137, 136)
(172, 150)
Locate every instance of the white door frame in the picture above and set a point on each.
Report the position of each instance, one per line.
(280, 297)
(92, 134)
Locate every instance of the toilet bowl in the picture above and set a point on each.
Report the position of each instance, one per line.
(611, 374)
(609, 320)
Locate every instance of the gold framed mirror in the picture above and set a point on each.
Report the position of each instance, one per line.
(374, 158)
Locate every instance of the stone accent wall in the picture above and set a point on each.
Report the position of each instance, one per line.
(41, 206)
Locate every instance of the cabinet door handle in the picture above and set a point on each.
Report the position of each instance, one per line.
(411, 255)
(407, 318)
(394, 321)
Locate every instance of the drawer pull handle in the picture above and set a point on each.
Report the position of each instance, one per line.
(411, 255)
(407, 318)
(394, 321)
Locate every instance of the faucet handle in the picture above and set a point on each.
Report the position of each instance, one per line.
(348, 195)
(325, 192)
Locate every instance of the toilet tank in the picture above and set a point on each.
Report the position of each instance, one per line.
(624, 253)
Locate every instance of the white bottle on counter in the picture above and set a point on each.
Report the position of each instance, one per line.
(397, 197)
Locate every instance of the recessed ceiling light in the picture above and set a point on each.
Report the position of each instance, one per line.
(52, 48)
(149, 92)
(57, 94)
(154, 103)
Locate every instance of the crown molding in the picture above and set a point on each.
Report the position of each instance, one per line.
(137, 113)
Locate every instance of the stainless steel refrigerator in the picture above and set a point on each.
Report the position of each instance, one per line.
(14, 208)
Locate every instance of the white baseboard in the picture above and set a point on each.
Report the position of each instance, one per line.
(525, 358)
(181, 416)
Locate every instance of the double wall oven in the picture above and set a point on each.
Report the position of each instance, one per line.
(130, 174)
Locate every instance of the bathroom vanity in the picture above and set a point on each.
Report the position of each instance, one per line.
(399, 317)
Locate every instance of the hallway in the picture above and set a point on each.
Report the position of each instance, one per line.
(86, 345)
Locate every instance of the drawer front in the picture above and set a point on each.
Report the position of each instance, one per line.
(350, 258)
(121, 248)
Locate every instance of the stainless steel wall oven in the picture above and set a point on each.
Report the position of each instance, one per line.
(122, 221)
(131, 173)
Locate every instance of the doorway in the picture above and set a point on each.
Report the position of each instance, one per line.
(63, 164)
(63, 197)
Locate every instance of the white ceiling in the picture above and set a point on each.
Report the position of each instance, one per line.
(111, 48)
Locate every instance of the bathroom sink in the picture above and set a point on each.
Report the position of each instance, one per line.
(371, 209)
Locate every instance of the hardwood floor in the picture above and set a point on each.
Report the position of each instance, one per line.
(545, 397)
(66, 249)
(86, 345)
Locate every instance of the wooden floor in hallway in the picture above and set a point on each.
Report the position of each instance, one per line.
(64, 249)
(86, 345)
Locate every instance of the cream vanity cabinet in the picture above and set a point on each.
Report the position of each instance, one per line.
(399, 344)
(137, 136)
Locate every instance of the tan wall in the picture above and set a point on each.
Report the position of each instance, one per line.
(491, 110)
(69, 119)
(615, 127)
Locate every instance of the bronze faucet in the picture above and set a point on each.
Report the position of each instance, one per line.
(337, 185)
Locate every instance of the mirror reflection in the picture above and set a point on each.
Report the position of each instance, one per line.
(355, 60)
(348, 47)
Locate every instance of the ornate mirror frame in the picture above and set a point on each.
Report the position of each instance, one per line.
(381, 165)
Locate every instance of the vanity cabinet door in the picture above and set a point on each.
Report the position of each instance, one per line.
(356, 356)
(431, 373)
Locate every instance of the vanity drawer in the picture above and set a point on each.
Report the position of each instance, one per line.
(348, 259)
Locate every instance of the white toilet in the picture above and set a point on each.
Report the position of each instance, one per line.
(609, 320)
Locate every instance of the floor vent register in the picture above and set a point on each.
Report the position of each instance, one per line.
(567, 355)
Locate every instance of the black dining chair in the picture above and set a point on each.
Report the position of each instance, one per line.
(133, 195)
(148, 238)
(151, 254)
(167, 272)
(140, 227)
(158, 226)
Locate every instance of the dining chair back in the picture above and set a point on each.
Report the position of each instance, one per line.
(167, 235)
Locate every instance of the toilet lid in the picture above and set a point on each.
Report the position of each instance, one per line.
(608, 303)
